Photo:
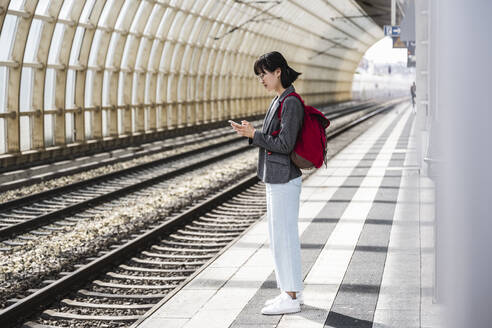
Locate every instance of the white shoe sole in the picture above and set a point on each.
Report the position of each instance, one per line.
(269, 302)
(281, 312)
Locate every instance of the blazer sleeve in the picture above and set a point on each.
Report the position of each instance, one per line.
(291, 123)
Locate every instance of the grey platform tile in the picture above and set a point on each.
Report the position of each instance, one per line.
(382, 209)
(354, 315)
(317, 237)
(248, 277)
(231, 298)
(398, 318)
(379, 221)
(365, 164)
(254, 325)
(404, 289)
(386, 197)
(399, 302)
(258, 238)
(235, 257)
(184, 304)
(406, 240)
(262, 258)
(405, 274)
(298, 323)
(317, 300)
(212, 278)
(354, 319)
(371, 156)
(308, 314)
(333, 210)
(357, 173)
(356, 300)
(395, 162)
(356, 179)
(364, 281)
(434, 319)
(344, 193)
(325, 220)
(162, 322)
(371, 251)
(255, 318)
(210, 319)
(393, 173)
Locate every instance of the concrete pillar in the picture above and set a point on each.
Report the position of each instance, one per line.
(393, 12)
(462, 51)
(423, 45)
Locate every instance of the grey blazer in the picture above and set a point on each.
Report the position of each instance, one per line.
(274, 164)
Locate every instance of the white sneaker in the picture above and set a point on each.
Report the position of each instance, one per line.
(299, 297)
(283, 304)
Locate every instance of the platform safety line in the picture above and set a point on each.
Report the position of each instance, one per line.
(401, 280)
(327, 273)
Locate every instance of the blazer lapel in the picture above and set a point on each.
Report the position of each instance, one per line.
(273, 111)
(269, 116)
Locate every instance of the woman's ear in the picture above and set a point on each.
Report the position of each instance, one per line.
(278, 72)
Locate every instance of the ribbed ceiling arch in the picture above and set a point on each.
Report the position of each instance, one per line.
(109, 69)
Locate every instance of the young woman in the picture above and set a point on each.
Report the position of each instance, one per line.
(282, 178)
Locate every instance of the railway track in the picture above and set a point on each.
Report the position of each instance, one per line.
(156, 148)
(25, 214)
(144, 269)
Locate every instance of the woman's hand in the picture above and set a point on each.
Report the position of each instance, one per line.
(245, 129)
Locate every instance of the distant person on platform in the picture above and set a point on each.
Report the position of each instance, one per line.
(413, 93)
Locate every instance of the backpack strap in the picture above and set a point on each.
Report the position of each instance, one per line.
(279, 113)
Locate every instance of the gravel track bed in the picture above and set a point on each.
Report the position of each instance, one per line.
(65, 225)
(129, 292)
(79, 324)
(147, 274)
(141, 282)
(44, 257)
(335, 146)
(104, 300)
(62, 181)
(160, 266)
(111, 312)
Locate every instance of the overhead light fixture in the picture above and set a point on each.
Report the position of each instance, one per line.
(356, 16)
(334, 46)
(254, 19)
(259, 1)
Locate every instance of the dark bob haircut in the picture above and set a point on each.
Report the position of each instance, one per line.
(273, 60)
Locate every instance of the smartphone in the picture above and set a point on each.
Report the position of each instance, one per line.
(231, 121)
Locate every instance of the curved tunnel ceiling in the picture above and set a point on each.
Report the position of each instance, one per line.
(380, 10)
(79, 70)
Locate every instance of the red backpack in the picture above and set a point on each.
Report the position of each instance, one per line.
(310, 148)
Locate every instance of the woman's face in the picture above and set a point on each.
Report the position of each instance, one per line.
(270, 80)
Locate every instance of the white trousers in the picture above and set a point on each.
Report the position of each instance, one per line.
(283, 215)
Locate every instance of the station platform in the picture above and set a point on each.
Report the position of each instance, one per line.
(366, 227)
